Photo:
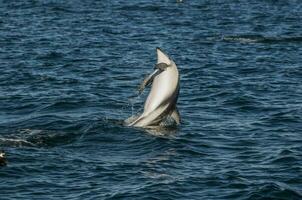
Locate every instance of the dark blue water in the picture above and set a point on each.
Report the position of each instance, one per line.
(70, 72)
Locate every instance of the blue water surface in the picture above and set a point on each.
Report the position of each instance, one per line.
(69, 76)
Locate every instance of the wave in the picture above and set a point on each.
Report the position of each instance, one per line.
(273, 190)
(37, 138)
(261, 39)
(151, 8)
(15, 142)
(53, 55)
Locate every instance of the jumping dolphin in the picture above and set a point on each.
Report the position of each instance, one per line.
(161, 101)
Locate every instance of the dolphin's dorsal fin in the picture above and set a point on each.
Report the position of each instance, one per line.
(162, 57)
(175, 115)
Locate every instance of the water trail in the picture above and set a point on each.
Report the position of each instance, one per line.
(133, 100)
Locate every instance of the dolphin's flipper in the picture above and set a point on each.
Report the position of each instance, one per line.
(160, 67)
(148, 80)
(175, 115)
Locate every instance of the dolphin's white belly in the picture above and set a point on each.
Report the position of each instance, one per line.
(163, 87)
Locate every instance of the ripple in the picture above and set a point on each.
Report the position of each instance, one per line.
(286, 160)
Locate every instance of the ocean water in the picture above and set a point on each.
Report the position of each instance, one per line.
(70, 72)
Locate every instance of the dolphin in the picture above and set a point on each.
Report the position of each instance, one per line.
(161, 101)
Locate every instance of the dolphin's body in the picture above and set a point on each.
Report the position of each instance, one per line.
(161, 101)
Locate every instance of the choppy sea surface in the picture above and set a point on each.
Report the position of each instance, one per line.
(69, 72)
